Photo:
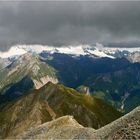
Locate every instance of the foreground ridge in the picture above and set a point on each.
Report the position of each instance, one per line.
(126, 127)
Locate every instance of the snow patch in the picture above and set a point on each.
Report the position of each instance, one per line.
(99, 53)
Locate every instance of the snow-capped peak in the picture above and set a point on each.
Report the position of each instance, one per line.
(13, 51)
(97, 50)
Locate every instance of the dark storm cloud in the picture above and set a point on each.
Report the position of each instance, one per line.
(56, 23)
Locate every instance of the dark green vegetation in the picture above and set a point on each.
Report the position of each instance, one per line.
(50, 102)
(116, 81)
(120, 88)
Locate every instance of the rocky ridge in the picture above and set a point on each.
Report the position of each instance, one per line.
(126, 127)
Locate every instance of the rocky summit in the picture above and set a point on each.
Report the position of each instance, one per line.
(66, 127)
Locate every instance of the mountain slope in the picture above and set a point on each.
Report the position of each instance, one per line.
(23, 74)
(50, 102)
(119, 88)
(116, 81)
(126, 127)
(66, 127)
(4, 63)
(74, 71)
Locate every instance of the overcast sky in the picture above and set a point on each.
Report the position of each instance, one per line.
(56, 23)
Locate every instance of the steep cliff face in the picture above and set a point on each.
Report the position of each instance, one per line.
(44, 80)
(50, 102)
(66, 127)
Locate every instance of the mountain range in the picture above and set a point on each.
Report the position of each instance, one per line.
(97, 50)
(94, 84)
(113, 79)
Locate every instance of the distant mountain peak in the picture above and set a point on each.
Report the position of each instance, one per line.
(13, 51)
(97, 50)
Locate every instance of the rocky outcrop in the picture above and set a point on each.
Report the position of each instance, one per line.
(83, 89)
(44, 80)
(134, 57)
(127, 127)
(62, 128)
